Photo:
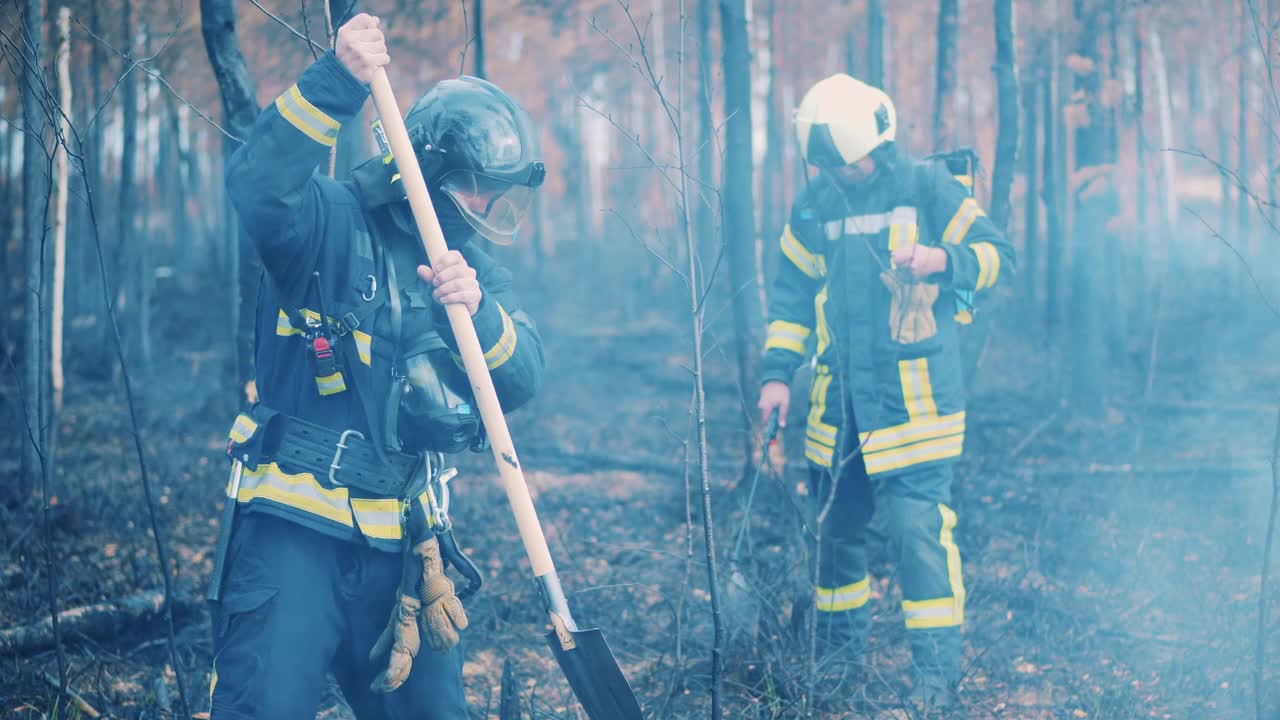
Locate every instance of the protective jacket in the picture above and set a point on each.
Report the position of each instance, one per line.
(321, 248)
(907, 398)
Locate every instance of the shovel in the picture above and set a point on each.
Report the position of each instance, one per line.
(584, 656)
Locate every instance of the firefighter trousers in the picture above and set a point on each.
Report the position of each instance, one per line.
(919, 524)
(298, 605)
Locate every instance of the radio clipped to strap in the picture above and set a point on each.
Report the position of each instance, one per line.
(320, 342)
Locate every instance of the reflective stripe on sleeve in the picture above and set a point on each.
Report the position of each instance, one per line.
(795, 251)
(785, 335)
(960, 223)
(988, 264)
(307, 118)
(242, 429)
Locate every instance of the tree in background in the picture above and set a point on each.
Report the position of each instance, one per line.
(739, 205)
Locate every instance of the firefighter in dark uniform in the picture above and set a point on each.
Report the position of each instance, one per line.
(876, 254)
(333, 549)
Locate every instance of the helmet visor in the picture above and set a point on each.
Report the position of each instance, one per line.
(491, 205)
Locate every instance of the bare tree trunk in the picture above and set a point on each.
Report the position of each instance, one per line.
(772, 186)
(60, 208)
(34, 208)
(128, 244)
(875, 43)
(944, 111)
(706, 146)
(1096, 204)
(1007, 139)
(1242, 125)
(1054, 176)
(1031, 84)
(1140, 126)
(146, 274)
(1164, 103)
(477, 10)
(739, 205)
(239, 109)
(1273, 115)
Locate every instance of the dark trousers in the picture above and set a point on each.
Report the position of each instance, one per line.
(919, 523)
(298, 604)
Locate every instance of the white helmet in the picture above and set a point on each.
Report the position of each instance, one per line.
(842, 120)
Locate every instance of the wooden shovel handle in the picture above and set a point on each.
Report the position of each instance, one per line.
(504, 451)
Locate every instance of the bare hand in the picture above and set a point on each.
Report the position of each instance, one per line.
(774, 394)
(454, 281)
(921, 260)
(361, 46)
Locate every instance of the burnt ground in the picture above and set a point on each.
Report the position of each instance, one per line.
(1112, 557)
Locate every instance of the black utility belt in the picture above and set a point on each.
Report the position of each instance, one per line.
(343, 458)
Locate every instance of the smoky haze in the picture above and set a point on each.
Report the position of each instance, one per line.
(1123, 384)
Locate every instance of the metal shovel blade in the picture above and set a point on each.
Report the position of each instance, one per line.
(595, 677)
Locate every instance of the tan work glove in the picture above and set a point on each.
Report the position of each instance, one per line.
(911, 315)
(436, 613)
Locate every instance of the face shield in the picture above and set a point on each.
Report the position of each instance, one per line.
(492, 205)
(480, 148)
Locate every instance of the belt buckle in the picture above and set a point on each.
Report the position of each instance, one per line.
(336, 464)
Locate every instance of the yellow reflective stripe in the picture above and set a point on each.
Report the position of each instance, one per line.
(506, 345)
(961, 221)
(284, 327)
(955, 574)
(242, 429)
(307, 118)
(845, 597)
(785, 335)
(908, 455)
(988, 264)
(903, 231)
(799, 255)
(965, 180)
(911, 432)
(301, 491)
(938, 613)
(820, 313)
(363, 343)
(917, 390)
(818, 403)
(825, 434)
(818, 453)
(945, 611)
(377, 518)
(331, 384)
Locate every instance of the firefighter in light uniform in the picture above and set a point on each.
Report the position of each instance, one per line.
(876, 248)
(329, 556)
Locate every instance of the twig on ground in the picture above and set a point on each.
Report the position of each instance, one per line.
(81, 704)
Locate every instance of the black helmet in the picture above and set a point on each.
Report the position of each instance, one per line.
(477, 145)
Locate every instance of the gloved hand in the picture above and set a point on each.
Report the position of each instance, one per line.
(436, 613)
(911, 314)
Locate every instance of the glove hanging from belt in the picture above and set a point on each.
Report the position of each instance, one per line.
(427, 606)
(911, 314)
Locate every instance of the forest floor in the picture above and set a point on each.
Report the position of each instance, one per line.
(1112, 559)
